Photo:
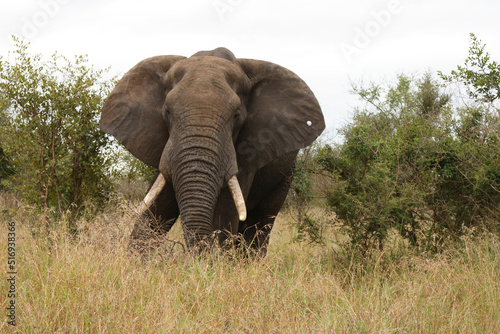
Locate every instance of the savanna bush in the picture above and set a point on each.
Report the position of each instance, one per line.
(418, 162)
(49, 131)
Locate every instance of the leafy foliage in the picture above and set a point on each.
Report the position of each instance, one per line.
(480, 75)
(50, 129)
(6, 167)
(302, 195)
(414, 163)
(133, 168)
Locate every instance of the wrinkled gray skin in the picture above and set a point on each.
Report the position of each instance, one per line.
(203, 119)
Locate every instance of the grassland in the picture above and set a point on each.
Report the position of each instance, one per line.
(90, 284)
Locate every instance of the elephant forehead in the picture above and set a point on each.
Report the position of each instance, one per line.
(208, 68)
(200, 95)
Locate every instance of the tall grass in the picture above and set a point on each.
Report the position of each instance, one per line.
(90, 284)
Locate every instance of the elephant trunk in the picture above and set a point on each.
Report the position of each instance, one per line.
(198, 161)
(196, 193)
(198, 226)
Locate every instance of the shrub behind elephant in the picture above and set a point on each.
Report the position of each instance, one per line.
(224, 134)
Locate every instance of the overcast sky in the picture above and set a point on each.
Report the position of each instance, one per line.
(327, 43)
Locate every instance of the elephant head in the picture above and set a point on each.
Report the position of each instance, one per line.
(206, 120)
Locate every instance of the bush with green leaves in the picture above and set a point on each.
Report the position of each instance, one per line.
(415, 162)
(50, 129)
(6, 168)
(480, 75)
(302, 196)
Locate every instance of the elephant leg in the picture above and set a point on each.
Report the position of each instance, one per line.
(261, 217)
(156, 221)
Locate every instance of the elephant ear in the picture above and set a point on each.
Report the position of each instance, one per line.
(133, 111)
(283, 115)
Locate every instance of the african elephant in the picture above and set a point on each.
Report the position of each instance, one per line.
(224, 134)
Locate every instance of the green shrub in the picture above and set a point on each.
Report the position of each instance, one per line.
(50, 130)
(415, 163)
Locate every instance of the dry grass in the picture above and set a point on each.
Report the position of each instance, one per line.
(92, 285)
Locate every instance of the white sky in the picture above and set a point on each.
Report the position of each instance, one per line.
(380, 38)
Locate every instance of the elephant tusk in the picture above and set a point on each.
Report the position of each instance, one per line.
(239, 201)
(152, 193)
